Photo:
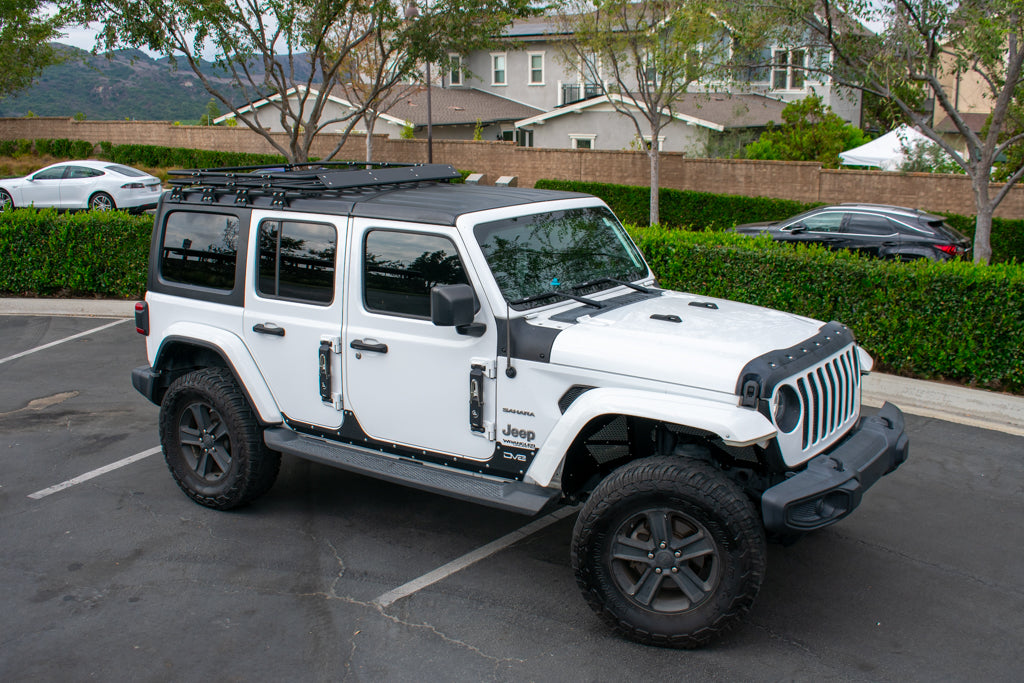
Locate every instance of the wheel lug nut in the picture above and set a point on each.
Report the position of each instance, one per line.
(675, 570)
(650, 556)
(679, 553)
(663, 545)
(658, 570)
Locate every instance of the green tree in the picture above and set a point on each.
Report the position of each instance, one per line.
(644, 56)
(926, 50)
(25, 35)
(811, 131)
(212, 112)
(260, 45)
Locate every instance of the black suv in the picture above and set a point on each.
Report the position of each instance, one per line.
(873, 229)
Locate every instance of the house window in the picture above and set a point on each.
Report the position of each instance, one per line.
(455, 73)
(647, 142)
(536, 68)
(522, 136)
(582, 141)
(498, 69)
(788, 69)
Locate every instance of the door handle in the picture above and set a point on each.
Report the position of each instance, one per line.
(268, 328)
(362, 345)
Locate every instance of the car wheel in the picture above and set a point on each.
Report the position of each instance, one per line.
(5, 201)
(101, 201)
(212, 441)
(669, 552)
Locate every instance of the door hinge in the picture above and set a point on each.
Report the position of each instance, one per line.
(328, 345)
(333, 342)
(486, 365)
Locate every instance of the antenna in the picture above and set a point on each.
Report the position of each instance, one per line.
(510, 371)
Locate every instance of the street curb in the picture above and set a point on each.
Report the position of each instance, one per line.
(972, 407)
(88, 308)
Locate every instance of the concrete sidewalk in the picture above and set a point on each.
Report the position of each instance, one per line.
(952, 403)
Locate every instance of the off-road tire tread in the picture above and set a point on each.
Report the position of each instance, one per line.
(258, 466)
(696, 480)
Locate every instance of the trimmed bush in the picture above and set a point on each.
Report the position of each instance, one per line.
(86, 253)
(683, 208)
(706, 211)
(180, 157)
(945, 321)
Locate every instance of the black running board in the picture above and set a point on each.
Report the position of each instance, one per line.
(515, 496)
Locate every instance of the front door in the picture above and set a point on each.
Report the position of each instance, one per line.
(43, 189)
(293, 313)
(407, 380)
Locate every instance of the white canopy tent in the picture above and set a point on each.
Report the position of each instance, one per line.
(886, 152)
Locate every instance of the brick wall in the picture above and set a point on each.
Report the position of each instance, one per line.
(803, 181)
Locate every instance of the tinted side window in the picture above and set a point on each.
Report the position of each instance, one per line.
(83, 172)
(824, 222)
(200, 249)
(400, 268)
(862, 224)
(50, 174)
(296, 260)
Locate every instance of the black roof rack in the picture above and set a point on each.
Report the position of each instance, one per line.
(283, 182)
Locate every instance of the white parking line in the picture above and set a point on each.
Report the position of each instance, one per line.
(470, 558)
(93, 474)
(61, 341)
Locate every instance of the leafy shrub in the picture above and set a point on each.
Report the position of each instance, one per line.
(705, 211)
(81, 149)
(954, 321)
(180, 157)
(84, 253)
(683, 208)
(43, 146)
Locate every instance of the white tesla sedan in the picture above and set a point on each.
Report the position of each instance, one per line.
(86, 184)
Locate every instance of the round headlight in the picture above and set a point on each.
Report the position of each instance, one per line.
(786, 408)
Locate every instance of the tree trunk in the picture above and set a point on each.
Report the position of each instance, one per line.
(983, 220)
(655, 157)
(370, 123)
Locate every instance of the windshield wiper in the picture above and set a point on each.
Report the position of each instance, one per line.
(631, 285)
(554, 292)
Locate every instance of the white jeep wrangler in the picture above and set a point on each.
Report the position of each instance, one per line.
(508, 347)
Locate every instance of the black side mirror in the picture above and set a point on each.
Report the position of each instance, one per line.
(455, 306)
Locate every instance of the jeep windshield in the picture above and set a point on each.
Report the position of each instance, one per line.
(543, 258)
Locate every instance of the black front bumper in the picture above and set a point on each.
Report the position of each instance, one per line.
(832, 484)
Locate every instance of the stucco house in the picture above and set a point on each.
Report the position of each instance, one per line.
(525, 91)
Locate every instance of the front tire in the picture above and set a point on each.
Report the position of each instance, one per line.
(669, 552)
(101, 201)
(212, 441)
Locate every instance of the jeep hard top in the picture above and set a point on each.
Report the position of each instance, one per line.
(509, 347)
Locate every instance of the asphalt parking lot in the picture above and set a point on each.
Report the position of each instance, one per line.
(121, 577)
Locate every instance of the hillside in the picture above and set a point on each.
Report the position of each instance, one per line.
(128, 84)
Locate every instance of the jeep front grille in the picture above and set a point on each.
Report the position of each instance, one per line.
(829, 394)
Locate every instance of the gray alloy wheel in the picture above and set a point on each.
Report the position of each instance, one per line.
(101, 201)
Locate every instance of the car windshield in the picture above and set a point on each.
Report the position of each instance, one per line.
(125, 170)
(576, 250)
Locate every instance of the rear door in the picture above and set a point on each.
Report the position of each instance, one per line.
(871, 234)
(293, 312)
(77, 186)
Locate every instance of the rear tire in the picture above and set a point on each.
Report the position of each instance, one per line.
(6, 202)
(101, 201)
(213, 443)
(669, 552)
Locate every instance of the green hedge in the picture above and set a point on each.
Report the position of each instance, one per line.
(946, 321)
(85, 253)
(683, 208)
(180, 157)
(703, 211)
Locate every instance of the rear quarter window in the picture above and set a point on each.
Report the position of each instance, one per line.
(200, 249)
